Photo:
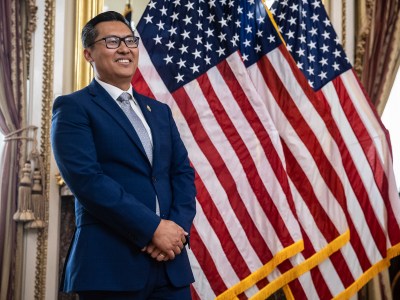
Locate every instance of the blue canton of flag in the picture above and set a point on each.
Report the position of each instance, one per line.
(311, 39)
(187, 38)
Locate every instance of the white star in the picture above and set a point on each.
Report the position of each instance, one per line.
(311, 83)
(195, 68)
(163, 11)
(250, 15)
(336, 66)
(175, 16)
(231, 3)
(294, 7)
(157, 39)
(248, 29)
(245, 57)
(260, 19)
(323, 61)
(234, 42)
(148, 18)
(337, 40)
(324, 48)
(240, 10)
(271, 38)
(207, 60)
(292, 21)
(312, 44)
(302, 39)
(168, 59)
(187, 20)
(326, 35)
(210, 32)
(281, 16)
(200, 12)
(160, 25)
(300, 52)
(198, 39)
(223, 2)
(196, 53)
(284, 3)
(172, 30)
(257, 48)
(221, 51)
(315, 4)
(289, 47)
(336, 53)
(250, 2)
(315, 18)
(304, 13)
(199, 25)
(303, 26)
(181, 63)
(170, 45)
(238, 23)
(326, 22)
(259, 33)
(311, 58)
(222, 37)
(211, 3)
(223, 22)
(189, 6)
(313, 31)
(179, 77)
(290, 34)
(185, 34)
(322, 75)
(208, 46)
(210, 18)
(177, 2)
(273, 10)
(183, 49)
(246, 43)
(152, 5)
(310, 71)
(300, 65)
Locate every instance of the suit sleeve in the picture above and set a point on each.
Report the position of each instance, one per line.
(183, 207)
(103, 197)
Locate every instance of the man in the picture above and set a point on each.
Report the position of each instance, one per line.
(121, 155)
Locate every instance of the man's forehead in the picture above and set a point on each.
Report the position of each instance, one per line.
(113, 26)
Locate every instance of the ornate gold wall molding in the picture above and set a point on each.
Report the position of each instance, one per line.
(364, 13)
(47, 99)
(85, 10)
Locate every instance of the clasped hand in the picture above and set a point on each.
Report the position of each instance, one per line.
(167, 242)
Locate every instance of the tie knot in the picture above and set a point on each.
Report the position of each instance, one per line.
(124, 97)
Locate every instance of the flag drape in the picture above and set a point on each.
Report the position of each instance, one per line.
(286, 175)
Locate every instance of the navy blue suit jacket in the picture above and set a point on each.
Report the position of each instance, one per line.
(103, 162)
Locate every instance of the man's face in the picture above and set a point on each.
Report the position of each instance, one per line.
(114, 66)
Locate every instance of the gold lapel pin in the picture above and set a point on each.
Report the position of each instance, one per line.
(148, 108)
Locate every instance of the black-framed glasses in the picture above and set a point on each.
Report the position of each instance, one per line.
(113, 42)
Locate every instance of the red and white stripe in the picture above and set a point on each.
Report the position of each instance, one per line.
(244, 216)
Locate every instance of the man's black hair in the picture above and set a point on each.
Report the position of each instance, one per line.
(89, 32)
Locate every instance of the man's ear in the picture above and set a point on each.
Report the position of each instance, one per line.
(87, 55)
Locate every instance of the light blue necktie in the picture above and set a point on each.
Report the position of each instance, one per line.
(137, 124)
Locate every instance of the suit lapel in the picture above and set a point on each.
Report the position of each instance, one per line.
(105, 101)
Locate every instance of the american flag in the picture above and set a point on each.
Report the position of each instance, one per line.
(372, 203)
(272, 184)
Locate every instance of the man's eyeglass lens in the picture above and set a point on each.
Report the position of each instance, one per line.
(114, 42)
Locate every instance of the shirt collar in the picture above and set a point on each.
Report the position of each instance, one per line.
(114, 91)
